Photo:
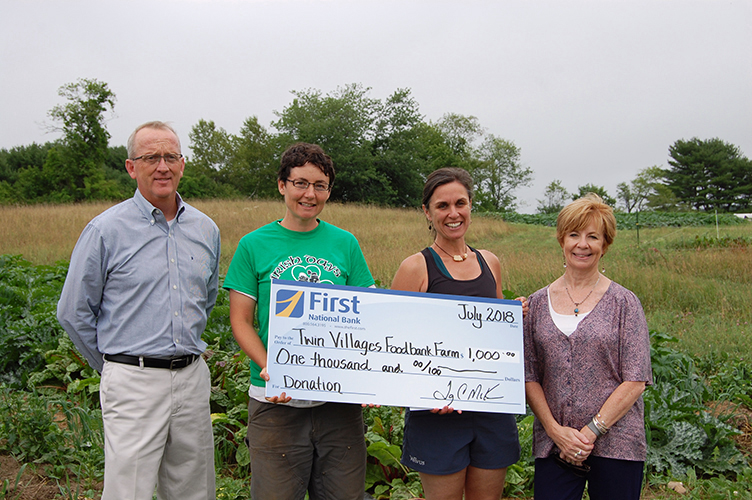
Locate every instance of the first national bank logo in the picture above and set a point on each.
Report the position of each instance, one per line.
(289, 303)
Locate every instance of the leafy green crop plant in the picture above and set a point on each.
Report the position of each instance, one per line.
(386, 477)
(28, 326)
(683, 435)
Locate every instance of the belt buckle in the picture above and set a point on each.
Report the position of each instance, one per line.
(182, 362)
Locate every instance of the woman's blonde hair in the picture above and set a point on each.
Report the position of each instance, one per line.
(581, 212)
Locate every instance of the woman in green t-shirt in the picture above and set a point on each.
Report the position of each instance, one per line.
(297, 446)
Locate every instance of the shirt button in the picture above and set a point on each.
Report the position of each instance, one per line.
(176, 313)
(172, 260)
(174, 287)
(151, 222)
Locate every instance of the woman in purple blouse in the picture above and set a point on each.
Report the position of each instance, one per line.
(587, 362)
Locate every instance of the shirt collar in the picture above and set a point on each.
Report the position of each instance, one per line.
(148, 209)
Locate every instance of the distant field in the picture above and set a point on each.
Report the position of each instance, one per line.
(702, 296)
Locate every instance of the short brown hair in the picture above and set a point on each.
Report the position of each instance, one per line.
(301, 153)
(581, 212)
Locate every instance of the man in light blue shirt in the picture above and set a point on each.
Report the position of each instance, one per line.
(142, 282)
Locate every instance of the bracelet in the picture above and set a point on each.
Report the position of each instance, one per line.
(595, 429)
(600, 424)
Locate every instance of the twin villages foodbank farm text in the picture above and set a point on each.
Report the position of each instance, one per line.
(350, 341)
(366, 345)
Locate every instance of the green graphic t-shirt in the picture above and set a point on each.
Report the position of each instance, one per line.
(327, 254)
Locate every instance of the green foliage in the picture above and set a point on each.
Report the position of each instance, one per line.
(52, 430)
(27, 426)
(515, 218)
(230, 378)
(73, 491)
(499, 174)
(386, 477)
(682, 433)
(554, 198)
(599, 190)
(460, 133)
(14, 160)
(76, 170)
(404, 147)
(382, 150)
(66, 369)
(230, 373)
(705, 242)
(115, 175)
(57, 419)
(82, 117)
(28, 325)
(79, 166)
(519, 482)
(675, 219)
(342, 124)
(646, 191)
(710, 174)
(230, 488)
(632, 221)
(728, 379)
(226, 166)
(20, 172)
(368, 140)
(720, 487)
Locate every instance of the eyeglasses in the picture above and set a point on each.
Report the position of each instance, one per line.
(169, 158)
(303, 185)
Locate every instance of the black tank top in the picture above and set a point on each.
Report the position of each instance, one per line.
(440, 282)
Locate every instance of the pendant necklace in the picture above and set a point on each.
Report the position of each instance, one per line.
(456, 258)
(577, 304)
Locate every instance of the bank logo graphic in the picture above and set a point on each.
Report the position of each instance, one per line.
(289, 303)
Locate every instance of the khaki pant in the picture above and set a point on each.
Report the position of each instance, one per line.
(157, 430)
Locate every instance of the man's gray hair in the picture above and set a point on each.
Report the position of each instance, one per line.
(131, 146)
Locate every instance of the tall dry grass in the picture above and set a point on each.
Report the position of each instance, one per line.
(386, 235)
(45, 234)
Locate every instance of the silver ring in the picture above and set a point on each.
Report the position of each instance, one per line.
(579, 452)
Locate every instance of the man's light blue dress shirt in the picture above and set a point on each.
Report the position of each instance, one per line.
(140, 285)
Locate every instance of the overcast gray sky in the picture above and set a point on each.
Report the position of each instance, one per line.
(591, 91)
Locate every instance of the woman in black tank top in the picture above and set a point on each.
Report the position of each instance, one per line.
(456, 453)
(441, 281)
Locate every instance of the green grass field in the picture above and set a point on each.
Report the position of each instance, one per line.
(701, 296)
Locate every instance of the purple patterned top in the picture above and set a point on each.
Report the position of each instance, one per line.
(578, 373)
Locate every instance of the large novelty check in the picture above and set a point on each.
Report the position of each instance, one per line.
(367, 345)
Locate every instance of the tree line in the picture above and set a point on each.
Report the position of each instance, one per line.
(382, 150)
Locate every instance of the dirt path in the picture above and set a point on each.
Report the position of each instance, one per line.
(32, 486)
